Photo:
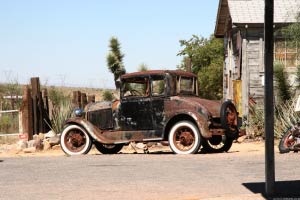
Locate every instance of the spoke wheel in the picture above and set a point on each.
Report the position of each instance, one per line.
(184, 138)
(75, 140)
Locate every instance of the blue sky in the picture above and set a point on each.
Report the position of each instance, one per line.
(65, 42)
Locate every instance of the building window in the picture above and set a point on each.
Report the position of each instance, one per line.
(286, 52)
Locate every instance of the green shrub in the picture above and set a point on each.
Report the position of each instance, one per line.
(282, 85)
(107, 95)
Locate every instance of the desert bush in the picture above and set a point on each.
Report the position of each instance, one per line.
(9, 123)
(107, 95)
(285, 116)
(57, 96)
(256, 121)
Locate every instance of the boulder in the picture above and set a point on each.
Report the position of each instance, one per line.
(38, 144)
(54, 140)
(50, 134)
(46, 145)
(30, 143)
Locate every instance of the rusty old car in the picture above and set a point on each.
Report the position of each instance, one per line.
(154, 106)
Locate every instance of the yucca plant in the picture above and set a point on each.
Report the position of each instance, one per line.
(60, 114)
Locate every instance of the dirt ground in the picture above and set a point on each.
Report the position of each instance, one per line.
(240, 147)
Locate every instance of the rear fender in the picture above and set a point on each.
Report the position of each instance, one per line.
(202, 122)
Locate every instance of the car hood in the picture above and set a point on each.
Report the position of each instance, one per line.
(211, 106)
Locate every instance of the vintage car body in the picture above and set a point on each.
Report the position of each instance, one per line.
(157, 105)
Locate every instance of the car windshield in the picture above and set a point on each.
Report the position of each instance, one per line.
(187, 86)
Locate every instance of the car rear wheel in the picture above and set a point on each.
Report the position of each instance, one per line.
(74, 140)
(184, 138)
(217, 144)
(108, 148)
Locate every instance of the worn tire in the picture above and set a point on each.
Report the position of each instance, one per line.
(74, 140)
(284, 144)
(184, 138)
(108, 148)
(229, 119)
(216, 144)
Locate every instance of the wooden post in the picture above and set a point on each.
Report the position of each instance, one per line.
(76, 99)
(91, 98)
(269, 99)
(35, 85)
(26, 113)
(83, 100)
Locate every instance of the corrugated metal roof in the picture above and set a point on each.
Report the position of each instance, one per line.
(252, 11)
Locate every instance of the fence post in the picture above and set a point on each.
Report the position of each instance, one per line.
(83, 100)
(76, 99)
(26, 113)
(35, 85)
(91, 98)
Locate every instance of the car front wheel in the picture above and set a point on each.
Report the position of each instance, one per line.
(184, 138)
(74, 140)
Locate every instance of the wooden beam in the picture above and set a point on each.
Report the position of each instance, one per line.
(26, 113)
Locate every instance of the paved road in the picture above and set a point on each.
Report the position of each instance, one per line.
(145, 176)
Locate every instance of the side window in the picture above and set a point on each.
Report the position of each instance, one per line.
(138, 87)
(158, 86)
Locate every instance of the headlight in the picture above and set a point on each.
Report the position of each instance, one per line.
(78, 112)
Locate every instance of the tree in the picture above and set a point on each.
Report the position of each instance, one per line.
(143, 67)
(292, 31)
(205, 58)
(115, 60)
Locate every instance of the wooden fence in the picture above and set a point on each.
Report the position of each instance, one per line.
(34, 112)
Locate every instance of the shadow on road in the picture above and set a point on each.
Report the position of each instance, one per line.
(283, 189)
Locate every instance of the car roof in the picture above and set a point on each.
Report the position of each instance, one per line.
(158, 72)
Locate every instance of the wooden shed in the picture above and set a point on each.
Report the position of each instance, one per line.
(241, 24)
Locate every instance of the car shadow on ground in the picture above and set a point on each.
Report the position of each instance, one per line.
(283, 189)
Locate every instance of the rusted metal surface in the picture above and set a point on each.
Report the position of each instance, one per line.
(148, 118)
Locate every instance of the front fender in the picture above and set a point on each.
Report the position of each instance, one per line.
(91, 129)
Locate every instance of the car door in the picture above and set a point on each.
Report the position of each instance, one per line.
(136, 104)
(158, 89)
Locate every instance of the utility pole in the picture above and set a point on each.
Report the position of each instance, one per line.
(269, 99)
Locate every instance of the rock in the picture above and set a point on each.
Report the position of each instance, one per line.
(50, 134)
(30, 143)
(41, 136)
(54, 140)
(29, 150)
(46, 145)
(21, 145)
(38, 144)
